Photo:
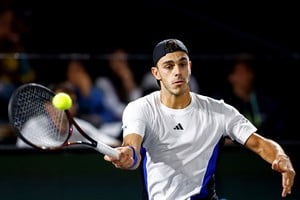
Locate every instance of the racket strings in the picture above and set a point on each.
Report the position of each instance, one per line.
(38, 121)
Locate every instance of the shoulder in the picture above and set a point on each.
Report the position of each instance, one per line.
(206, 99)
(212, 104)
(150, 98)
(143, 104)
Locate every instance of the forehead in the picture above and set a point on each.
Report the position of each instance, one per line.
(173, 57)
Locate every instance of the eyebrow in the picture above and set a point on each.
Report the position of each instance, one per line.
(171, 61)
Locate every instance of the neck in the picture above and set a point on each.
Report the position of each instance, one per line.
(175, 101)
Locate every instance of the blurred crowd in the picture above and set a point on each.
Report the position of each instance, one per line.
(13, 71)
(101, 98)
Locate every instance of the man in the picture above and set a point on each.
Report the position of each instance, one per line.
(180, 132)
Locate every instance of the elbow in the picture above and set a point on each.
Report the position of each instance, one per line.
(256, 143)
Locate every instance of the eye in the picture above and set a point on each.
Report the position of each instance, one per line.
(183, 64)
(168, 66)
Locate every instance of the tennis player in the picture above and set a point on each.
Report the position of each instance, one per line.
(177, 134)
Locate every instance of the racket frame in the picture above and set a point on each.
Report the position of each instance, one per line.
(97, 145)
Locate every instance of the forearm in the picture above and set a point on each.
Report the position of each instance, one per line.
(271, 150)
(134, 142)
(273, 153)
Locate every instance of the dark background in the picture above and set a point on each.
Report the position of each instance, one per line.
(214, 32)
(205, 26)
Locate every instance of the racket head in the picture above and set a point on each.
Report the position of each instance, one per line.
(35, 119)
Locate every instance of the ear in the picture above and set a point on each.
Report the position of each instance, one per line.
(154, 71)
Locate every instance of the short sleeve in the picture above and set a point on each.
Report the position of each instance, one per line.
(133, 120)
(237, 126)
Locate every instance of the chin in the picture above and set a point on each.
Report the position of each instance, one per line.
(179, 91)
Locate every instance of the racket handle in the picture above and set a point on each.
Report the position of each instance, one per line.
(107, 150)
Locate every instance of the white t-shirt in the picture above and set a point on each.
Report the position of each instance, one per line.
(182, 144)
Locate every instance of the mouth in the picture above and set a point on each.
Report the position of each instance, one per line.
(178, 82)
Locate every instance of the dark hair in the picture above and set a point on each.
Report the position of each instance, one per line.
(167, 46)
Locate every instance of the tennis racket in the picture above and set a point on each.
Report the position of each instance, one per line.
(41, 125)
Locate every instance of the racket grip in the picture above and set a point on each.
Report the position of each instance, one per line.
(107, 150)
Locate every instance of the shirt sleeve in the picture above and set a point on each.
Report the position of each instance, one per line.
(133, 120)
(237, 126)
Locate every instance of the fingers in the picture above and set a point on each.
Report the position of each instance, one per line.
(125, 158)
(286, 190)
(109, 159)
(287, 183)
(113, 159)
(124, 162)
(284, 166)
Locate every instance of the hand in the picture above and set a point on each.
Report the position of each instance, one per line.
(283, 165)
(125, 160)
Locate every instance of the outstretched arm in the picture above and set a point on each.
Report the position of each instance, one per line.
(130, 156)
(273, 153)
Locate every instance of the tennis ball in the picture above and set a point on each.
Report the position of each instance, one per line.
(62, 101)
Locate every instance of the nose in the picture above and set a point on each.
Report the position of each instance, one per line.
(177, 70)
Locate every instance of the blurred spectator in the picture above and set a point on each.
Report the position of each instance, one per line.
(14, 69)
(91, 99)
(119, 85)
(126, 85)
(261, 109)
(91, 130)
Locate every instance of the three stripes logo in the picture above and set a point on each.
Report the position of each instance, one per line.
(178, 127)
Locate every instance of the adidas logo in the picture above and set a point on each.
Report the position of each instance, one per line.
(178, 127)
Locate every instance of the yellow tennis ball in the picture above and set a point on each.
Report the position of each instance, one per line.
(62, 101)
